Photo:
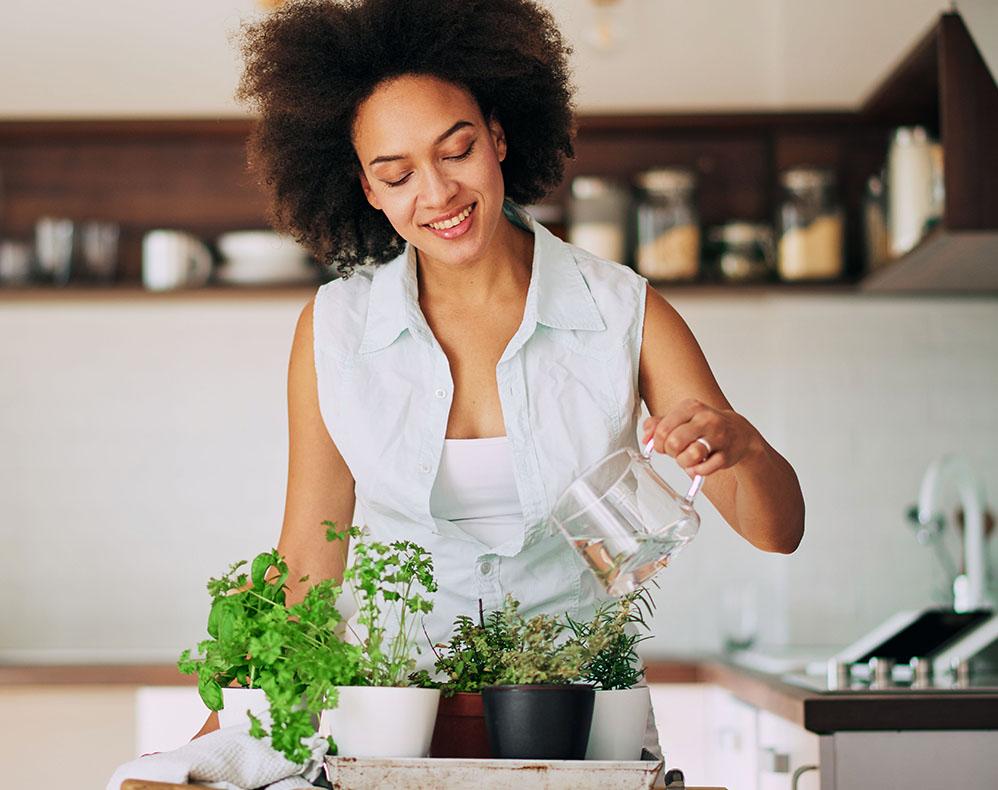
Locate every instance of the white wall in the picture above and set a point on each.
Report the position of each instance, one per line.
(69, 58)
(143, 448)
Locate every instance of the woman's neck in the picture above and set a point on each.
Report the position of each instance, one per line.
(503, 272)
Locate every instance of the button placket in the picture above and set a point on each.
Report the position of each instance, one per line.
(487, 574)
(439, 409)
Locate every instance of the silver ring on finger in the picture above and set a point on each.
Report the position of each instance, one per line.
(707, 447)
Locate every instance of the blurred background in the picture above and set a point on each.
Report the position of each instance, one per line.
(811, 184)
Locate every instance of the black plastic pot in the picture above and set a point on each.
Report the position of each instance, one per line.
(543, 722)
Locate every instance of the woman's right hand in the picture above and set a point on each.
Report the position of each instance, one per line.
(210, 725)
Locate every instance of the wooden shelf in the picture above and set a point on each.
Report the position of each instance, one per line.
(948, 261)
(132, 292)
(944, 84)
(191, 174)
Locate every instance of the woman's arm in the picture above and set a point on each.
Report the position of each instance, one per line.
(753, 487)
(320, 485)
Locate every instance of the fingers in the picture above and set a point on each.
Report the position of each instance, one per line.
(682, 445)
(676, 435)
(681, 426)
(684, 411)
(649, 427)
(715, 462)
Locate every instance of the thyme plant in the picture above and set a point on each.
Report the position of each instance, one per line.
(474, 656)
(537, 653)
(610, 641)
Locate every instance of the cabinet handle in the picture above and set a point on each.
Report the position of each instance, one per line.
(774, 762)
(799, 773)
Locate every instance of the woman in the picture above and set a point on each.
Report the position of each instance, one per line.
(468, 364)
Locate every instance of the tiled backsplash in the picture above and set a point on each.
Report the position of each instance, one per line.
(144, 447)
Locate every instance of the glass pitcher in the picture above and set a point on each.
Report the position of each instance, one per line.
(624, 520)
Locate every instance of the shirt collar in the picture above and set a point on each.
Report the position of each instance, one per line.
(557, 297)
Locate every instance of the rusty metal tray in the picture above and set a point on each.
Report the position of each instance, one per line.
(409, 773)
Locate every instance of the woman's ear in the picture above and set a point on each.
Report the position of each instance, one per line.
(498, 137)
(368, 192)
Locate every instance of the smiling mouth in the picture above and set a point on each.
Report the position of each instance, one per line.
(454, 221)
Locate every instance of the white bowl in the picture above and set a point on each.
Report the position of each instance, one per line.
(259, 244)
(258, 271)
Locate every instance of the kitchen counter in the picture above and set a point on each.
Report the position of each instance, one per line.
(799, 699)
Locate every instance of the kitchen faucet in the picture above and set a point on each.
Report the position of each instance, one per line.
(970, 588)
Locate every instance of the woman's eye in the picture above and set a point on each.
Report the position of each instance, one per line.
(400, 182)
(465, 155)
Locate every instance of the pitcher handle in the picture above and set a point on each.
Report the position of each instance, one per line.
(697, 479)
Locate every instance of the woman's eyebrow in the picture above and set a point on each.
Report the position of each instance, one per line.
(440, 139)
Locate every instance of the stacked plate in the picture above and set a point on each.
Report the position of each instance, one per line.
(261, 257)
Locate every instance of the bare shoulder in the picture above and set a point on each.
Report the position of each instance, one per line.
(301, 364)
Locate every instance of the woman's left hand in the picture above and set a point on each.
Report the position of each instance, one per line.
(727, 436)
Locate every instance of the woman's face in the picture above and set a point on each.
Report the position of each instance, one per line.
(430, 162)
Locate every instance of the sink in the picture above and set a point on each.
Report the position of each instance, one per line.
(785, 659)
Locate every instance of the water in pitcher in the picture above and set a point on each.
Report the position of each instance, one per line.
(624, 520)
(623, 571)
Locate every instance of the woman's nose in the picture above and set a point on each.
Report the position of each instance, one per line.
(438, 189)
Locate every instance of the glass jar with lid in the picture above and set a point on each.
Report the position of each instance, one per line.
(743, 251)
(668, 225)
(597, 217)
(810, 227)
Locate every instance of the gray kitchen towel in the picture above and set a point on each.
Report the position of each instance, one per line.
(227, 759)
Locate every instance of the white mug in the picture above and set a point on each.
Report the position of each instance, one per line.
(173, 259)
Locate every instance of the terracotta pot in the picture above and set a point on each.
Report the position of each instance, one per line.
(460, 729)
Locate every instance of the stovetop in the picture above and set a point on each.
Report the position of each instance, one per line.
(976, 683)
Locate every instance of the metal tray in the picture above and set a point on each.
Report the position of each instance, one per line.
(409, 773)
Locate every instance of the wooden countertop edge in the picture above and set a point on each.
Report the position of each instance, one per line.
(968, 710)
(94, 675)
(663, 671)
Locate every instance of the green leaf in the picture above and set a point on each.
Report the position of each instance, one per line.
(210, 693)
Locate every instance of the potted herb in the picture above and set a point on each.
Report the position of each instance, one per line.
(539, 709)
(620, 712)
(382, 712)
(470, 661)
(286, 661)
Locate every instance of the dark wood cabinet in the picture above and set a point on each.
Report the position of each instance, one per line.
(944, 84)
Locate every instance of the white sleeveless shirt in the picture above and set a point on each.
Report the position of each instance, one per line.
(568, 387)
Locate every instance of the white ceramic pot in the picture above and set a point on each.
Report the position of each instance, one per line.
(382, 721)
(236, 701)
(619, 722)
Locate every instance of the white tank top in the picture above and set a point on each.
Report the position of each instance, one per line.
(475, 488)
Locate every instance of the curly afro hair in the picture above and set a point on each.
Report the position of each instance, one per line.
(311, 63)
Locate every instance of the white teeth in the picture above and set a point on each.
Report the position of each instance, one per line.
(450, 223)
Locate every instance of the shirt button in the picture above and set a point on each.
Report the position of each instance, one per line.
(485, 568)
(424, 468)
(441, 393)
